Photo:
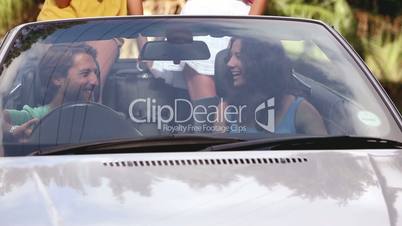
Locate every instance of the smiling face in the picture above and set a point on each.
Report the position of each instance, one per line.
(235, 65)
(81, 80)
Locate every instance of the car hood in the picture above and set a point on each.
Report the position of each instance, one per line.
(228, 188)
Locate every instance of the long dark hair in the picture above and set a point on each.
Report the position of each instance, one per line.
(266, 69)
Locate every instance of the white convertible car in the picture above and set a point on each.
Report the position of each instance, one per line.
(194, 121)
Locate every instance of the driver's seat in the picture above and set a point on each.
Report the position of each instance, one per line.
(26, 90)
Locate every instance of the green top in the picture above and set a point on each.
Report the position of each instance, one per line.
(27, 113)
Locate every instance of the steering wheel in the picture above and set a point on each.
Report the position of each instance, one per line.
(81, 123)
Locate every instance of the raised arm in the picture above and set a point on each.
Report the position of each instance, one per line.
(258, 7)
(135, 7)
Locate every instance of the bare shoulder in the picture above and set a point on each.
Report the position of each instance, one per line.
(307, 107)
(309, 120)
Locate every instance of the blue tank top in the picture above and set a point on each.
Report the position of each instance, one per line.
(287, 123)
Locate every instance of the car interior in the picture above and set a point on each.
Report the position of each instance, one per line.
(129, 79)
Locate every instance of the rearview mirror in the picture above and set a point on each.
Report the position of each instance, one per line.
(166, 51)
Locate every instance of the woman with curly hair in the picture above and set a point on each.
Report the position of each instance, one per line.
(198, 76)
(258, 71)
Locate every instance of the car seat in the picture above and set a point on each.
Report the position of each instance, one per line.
(126, 83)
(26, 89)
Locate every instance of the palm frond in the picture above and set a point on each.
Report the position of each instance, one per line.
(384, 56)
(334, 12)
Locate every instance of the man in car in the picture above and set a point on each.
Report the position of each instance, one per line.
(68, 73)
(107, 50)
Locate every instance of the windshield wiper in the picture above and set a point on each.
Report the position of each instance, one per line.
(168, 143)
(220, 142)
(309, 143)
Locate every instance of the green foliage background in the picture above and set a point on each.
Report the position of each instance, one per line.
(14, 12)
(374, 28)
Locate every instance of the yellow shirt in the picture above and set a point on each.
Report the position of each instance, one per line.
(83, 8)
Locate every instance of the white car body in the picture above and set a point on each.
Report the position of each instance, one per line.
(297, 188)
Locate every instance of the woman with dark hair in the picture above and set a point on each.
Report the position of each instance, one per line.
(198, 76)
(260, 71)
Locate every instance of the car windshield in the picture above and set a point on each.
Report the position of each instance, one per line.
(97, 80)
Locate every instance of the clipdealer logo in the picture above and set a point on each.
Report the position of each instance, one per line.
(266, 107)
(165, 114)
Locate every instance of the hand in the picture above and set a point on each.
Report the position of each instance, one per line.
(24, 131)
(62, 3)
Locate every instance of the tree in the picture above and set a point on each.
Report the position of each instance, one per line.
(14, 12)
(377, 38)
(336, 13)
(391, 8)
